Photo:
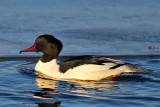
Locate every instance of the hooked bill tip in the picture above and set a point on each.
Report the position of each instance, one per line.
(20, 52)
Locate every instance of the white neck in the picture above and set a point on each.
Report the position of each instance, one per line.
(49, 68)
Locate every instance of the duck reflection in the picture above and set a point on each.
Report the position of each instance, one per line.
(56, 104)
(74, 87)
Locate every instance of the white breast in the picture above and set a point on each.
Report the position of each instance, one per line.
(50, 69)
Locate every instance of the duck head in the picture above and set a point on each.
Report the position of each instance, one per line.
(48, 45)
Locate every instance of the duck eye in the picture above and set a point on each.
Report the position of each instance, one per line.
(40, 46)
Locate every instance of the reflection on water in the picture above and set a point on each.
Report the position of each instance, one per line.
(74, 88)
(20, 86)
(56, 104)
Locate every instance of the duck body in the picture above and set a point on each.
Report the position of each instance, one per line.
(85, 68)
(82, 67)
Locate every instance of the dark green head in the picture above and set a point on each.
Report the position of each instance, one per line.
(49, 45)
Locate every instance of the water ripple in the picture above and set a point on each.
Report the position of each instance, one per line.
(20, 86)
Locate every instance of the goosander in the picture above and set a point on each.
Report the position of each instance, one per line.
(81, 68)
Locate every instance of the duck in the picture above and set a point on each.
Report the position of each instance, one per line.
(86, 67)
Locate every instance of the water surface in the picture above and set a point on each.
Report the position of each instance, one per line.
(20, 86)
(85, 27)
(96, 27)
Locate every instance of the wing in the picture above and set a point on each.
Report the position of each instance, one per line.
(81, 60)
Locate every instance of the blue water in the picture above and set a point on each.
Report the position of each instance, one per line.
(103, 27)
(21, 87)
(85, 27)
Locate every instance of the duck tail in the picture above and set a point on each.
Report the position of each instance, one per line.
(133, 69)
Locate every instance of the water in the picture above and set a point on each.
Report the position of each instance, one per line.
(21, 87)
(103, 27)
(86, 27)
